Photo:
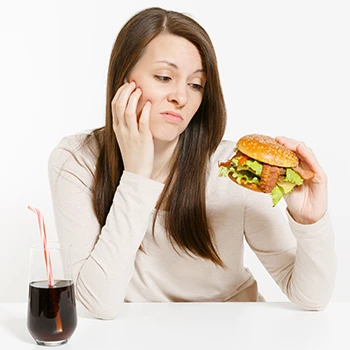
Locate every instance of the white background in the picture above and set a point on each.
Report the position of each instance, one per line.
(284, 68)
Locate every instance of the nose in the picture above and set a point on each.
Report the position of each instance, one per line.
(178, 94)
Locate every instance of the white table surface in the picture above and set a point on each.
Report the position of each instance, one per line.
(215, 326)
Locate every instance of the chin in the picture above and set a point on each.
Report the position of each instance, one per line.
(166, 134)
(165, 138)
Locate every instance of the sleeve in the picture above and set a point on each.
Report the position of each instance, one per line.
(103, 258)
(300, 258)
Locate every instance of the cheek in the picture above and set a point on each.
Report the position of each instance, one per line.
(144, 97)
(142, 101)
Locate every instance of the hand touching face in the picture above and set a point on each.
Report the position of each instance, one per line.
(133, 134)
(157, 102)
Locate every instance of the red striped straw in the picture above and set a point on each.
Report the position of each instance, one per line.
(47, 258)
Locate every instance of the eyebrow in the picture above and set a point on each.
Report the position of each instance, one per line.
(177, 67)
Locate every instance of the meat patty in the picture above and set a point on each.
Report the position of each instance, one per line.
(269, 177)
(305, 174)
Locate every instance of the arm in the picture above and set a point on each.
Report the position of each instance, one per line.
(103, 258)
(300, 258)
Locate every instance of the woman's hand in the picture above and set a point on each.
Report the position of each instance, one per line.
(133, 135)
(307, 203)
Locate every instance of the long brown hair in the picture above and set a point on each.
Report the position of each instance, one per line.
(185, 189)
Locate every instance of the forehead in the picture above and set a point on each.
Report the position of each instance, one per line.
(172, 48)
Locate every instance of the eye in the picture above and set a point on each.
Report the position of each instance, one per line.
(196, 86)
(162, 78)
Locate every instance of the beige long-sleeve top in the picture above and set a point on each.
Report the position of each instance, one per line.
(109, 268)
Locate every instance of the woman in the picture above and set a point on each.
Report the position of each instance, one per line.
(140, 199)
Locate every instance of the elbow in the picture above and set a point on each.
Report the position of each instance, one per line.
(313, 297)
(312, 303)
(98, 311)
(314, 306)
(102, 297)
(105, 314)
(100, 308)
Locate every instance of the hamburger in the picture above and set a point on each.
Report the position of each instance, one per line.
(262, 164)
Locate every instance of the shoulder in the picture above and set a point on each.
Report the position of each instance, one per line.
(224, 151)
(74, 151)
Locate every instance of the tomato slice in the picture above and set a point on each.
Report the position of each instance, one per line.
(243, 159)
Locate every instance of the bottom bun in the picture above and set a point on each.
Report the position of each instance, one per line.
(253, 187)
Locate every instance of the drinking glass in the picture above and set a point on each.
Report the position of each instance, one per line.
(52, 314)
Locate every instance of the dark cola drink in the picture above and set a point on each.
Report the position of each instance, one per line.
(52, 315)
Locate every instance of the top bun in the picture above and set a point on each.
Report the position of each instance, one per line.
(267, 150)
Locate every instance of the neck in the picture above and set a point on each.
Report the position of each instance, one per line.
(163, 152)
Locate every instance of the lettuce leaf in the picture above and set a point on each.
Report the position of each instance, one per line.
(248, 176)
(277, 194)
(250, 171)
(254, 165)
(224, 171)
(293, 177)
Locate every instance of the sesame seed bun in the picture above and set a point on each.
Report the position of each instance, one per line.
(267, 150)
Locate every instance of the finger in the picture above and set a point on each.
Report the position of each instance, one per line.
(289, 143)
(144, 118)
(117, 94)
(119, 91)
(304, 153)
(120, 101)
(131, 109)
(294, 145)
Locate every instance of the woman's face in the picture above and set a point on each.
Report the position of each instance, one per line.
(170, 75)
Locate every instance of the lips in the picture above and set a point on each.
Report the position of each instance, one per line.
(172, 116)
